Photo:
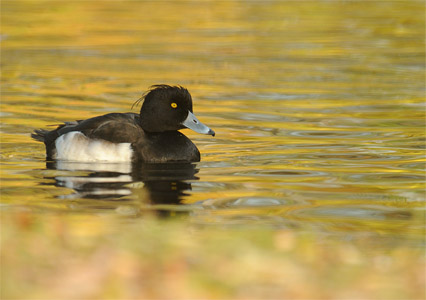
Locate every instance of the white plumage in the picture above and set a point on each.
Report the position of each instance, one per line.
(76, 146)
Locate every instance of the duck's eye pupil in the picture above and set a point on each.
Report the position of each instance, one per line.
(174, 105)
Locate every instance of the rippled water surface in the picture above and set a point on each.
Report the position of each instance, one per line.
(318, 109)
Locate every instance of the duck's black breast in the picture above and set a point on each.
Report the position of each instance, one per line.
(165, 147)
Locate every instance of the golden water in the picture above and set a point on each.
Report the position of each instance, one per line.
(317, 107)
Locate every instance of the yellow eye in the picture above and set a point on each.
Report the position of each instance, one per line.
(174, 105)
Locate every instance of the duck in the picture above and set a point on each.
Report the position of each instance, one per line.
(152, 136)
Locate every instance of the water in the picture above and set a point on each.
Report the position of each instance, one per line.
(318, 109)
(313, 186)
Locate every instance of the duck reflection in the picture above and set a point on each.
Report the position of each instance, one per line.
(155, 183)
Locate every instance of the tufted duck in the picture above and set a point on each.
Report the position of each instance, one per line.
(152, 136)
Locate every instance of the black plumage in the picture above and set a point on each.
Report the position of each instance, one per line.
(153, 134)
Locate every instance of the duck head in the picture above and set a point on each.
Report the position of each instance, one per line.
(169, 108)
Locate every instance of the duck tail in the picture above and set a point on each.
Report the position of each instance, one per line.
(39, 135)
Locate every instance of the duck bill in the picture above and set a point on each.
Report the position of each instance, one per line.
(193, 123)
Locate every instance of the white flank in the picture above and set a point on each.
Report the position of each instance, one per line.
(77, 147)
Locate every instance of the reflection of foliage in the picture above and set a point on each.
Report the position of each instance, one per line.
(319, 111)
(78, 257)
